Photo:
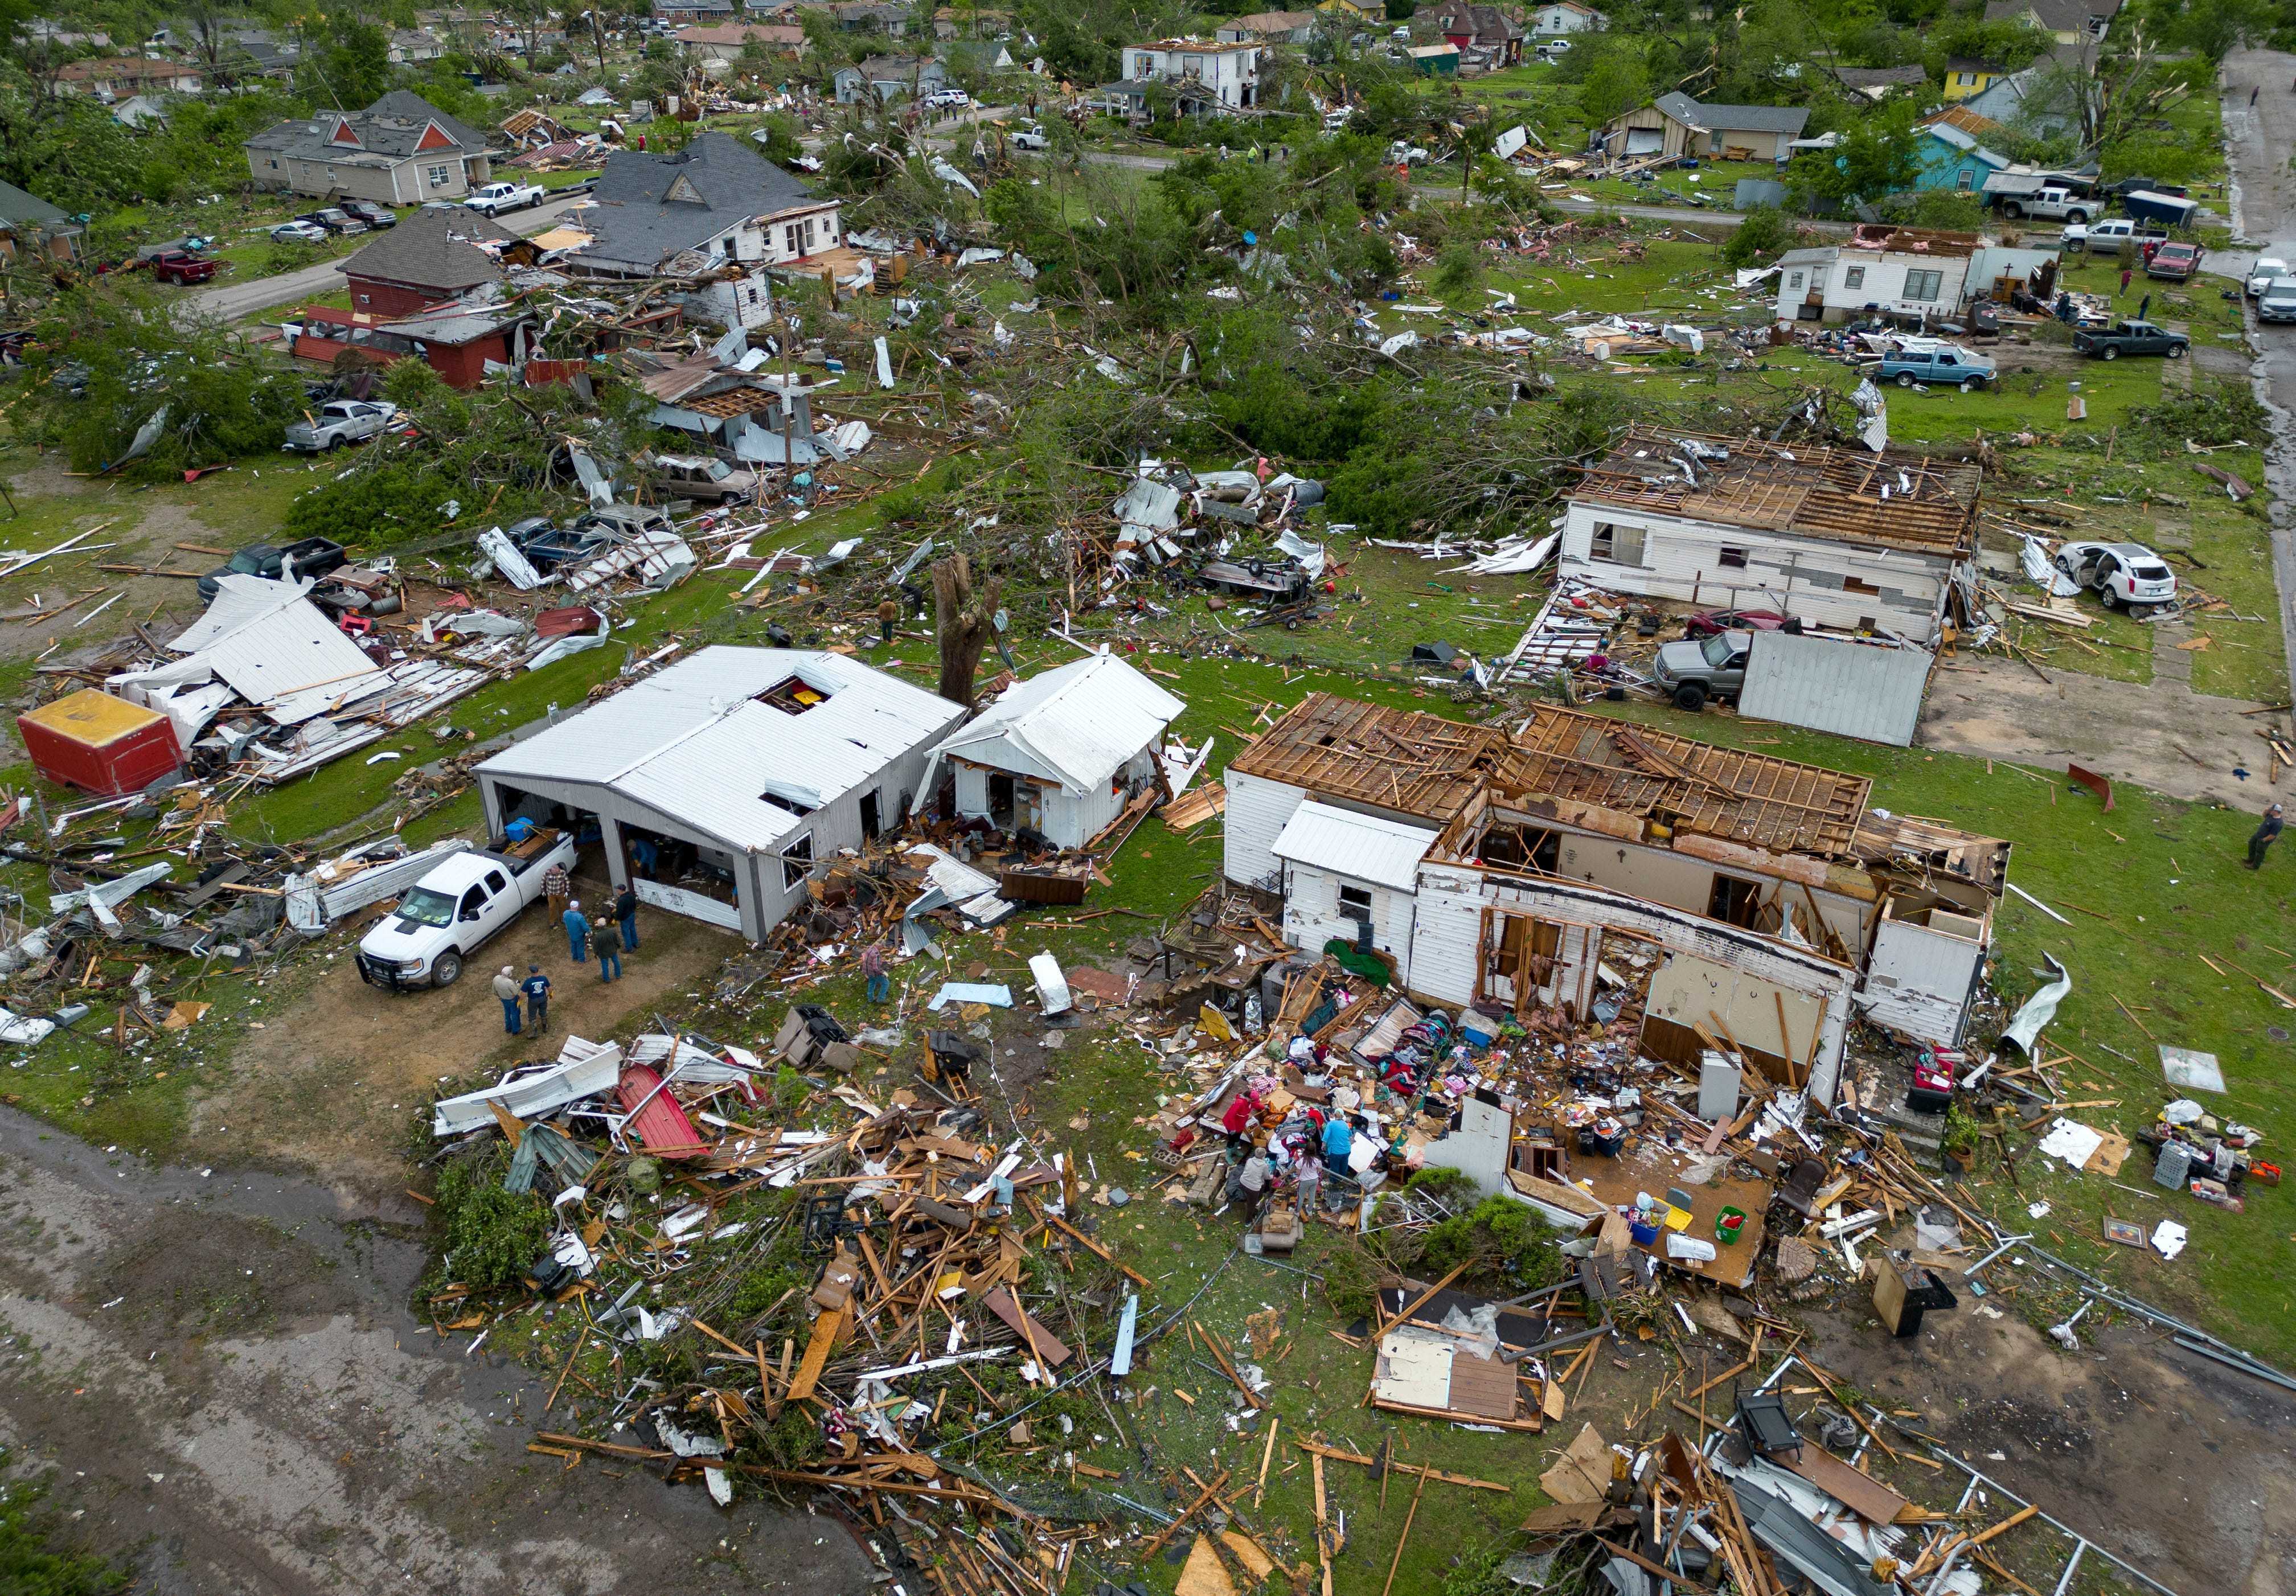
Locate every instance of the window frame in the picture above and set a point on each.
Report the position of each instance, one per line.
(1853, 276)
(796, 853)
(1347, 910)
(1932, 283)
(1735, 557)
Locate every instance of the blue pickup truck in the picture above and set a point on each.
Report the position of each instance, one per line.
(1937, 364)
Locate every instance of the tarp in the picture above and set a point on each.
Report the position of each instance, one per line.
(2025, 1027)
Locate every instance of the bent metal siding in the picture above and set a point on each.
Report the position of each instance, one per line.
(1448, 934)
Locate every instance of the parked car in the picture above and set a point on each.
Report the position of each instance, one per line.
(299, 232)
(1938, 364)
(703, 477)
(372, 215)
(2054, 203)
(1711, 668)
(2277, 302)
(2124, 576)
(2267, 269)
(1032, 138)
(1402, 152)
(948, 99)
(2174, 263)
(468, 900)
(548, 545)
(1552, 51)
(2109, 236)
(1708, 622)
(495, 198)
(333, 222)
(623, 520)
(338, 422)
(2130, 338)
(180, 268)
(310, 557)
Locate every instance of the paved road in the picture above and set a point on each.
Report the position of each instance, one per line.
(233, 300)
(2264, 193)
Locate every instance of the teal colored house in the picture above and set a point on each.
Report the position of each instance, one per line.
(1955, 153)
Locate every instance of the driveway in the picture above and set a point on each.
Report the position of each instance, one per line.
(2264, 208)
(233, 300)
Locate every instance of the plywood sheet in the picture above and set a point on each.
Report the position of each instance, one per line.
(1481, 1386)
(1582, 1473)
(1865, 1495)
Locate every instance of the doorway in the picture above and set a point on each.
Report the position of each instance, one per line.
(1735, 901)
(1000, 800)
(871, 824)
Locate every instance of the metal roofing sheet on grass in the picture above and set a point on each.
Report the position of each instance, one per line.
(1363, 847)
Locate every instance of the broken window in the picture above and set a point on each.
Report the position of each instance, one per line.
(1922, 287)
(1621, 545)
(796, 862)
(1794, 281)
(1733, 901)
(1853, 277)
(1355, 902)
(1733, 560)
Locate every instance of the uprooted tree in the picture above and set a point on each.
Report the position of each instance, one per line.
(962, 622)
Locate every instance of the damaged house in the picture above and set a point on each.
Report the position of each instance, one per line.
(402, 150)
(759, 417)
(717, 786)
(1846, 539)
(715, 208)
(431, 257)
(1059, 754)
(1526, 871)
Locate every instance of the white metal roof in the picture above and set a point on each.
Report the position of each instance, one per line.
(1075, 725)
(1363, 847)
(696, 742)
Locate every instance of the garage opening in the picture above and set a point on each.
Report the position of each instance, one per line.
(527, 815)
(1645, 141)
(683, 877)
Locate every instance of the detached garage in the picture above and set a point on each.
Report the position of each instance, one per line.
(1351, 876)
(718, 786)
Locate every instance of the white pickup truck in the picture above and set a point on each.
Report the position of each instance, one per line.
(2053, 204)
(495, 198)
(469, 899)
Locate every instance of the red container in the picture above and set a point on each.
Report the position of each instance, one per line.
(100, 744)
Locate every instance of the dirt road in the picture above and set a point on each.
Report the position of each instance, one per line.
(221, 1370)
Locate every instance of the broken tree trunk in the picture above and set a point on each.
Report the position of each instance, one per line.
(962, 623)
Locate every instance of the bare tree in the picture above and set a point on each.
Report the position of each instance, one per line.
(962, 622)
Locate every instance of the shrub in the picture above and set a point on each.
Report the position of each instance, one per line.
(1764, 234)
(1499, 1238)
(1458, 267)
(492, 1236)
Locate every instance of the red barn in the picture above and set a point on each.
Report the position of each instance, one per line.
(100, 744)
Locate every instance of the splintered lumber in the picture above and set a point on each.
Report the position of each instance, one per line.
(1322, 1530)
(1342, 1455)
(826, 1331)
(1228, 1367)
(1419, 1302)
(1165, 1533)
(1404, 1537)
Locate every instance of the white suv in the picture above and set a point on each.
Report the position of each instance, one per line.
(2125, 575)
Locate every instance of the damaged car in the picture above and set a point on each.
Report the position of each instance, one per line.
(2124, 576)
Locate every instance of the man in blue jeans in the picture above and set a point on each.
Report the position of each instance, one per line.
(609, 958)
(625, 915)
(506, 989)
(577, 932)
(537, 987)
(873, 965)
(1339, 1141)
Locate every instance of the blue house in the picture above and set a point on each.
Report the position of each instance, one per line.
(1954, 154)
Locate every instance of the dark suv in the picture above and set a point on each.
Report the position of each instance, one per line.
(313, 557)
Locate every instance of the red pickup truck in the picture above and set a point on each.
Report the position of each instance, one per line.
(181, 267)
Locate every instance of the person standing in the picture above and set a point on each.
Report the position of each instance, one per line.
(626, 916)
(1339, 1141)
(537, 987)
(557, 888)
(609, 958)
(2126, 273)
(2264, 836)
(888, 615)
(2252, 92)
(577, 932)
(873, 965)
(2143, 308)
(506, 989)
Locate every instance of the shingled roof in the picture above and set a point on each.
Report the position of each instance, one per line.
(432, 250)
(653, 205)
(1786, 119)
(390, 130)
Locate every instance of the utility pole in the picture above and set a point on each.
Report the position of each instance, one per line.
(597, 38)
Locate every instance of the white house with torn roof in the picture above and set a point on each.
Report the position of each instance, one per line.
(1843, 538)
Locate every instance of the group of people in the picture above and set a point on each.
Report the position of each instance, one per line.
(608, 937)
(1309, 1146)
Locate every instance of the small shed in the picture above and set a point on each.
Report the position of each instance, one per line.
(99, 743)
(1435, 61)
(718, 786)
(1351, 876)
(1060, 753)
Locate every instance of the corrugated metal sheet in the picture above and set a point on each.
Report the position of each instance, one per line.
(1851, 689)
(1257, 809)
(1077, 725)
(695, 743)
(1362, 848)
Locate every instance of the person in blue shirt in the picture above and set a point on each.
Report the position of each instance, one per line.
(578, 933)
(1339, 1141)
(537, 987)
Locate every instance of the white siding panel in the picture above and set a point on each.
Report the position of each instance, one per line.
(1850, 689)
(1919, 981)
(1446, 935)
(971, 791)
(1312, 915)
(1258, 810)
(1072, 820)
